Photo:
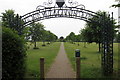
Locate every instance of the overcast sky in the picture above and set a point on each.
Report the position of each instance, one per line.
(59, 26)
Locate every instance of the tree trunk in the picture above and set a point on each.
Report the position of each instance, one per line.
(78, 44)
(35, 45)
(99, 47)
(84, 44)
(43, 42)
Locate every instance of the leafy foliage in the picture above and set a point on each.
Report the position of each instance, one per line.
(13, 21)
(93, 31)
(87, 34)
(78, 38)
(37, 33)
(49, 36)
(61, 39)
(13, 55)
(71, 37)
(36, 30)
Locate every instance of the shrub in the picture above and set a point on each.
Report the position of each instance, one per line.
(13, 55)
(43, 45)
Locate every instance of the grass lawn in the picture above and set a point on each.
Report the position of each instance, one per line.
(90, 58)
(49, 52)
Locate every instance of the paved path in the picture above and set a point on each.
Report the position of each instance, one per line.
(61, 68)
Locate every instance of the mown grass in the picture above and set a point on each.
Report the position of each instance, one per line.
(49, 52)
(90, 59)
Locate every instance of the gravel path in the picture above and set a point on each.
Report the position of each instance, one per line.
(61, 68)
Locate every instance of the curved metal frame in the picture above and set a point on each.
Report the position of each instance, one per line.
(56, 12)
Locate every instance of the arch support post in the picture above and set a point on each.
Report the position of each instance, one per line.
(107, 45)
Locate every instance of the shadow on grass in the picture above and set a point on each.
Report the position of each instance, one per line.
(83, 58)
(35, 48)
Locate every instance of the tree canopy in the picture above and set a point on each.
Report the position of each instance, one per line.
(37, 32)
(12, 20)
(93, 31)
(71, 37)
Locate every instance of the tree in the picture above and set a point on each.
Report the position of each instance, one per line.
(71, 37)
(48, 36)
(78, 38)
(87, 34)
(84, 36)
(56, 37)
(13, 21)
(61, 38)
(93, 31)
(36, 32)
(27, 33)
(44, 36)
(52, 37)
(13, 55)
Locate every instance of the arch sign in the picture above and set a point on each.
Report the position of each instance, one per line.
(76, 11)
(42, 12)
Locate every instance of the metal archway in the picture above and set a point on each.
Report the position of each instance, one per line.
(56, 12)
(76, 12)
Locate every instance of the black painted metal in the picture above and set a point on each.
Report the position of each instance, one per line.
(78, 12)
(107, 43)
(60, 3)
(56, 12)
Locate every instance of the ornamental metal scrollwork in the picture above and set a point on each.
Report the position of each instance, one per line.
(48, 3)
(70, 2)
(73, 4)
(45, 11)
(76, 4)
(45, 4)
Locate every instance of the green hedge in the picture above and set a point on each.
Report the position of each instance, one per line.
(13, 55)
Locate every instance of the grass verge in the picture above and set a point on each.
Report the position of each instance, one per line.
(90, 59)
(49, 52)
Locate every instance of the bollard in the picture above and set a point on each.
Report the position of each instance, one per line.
(77, 55)
(119, 59)
(77, 67)
(42, 69)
